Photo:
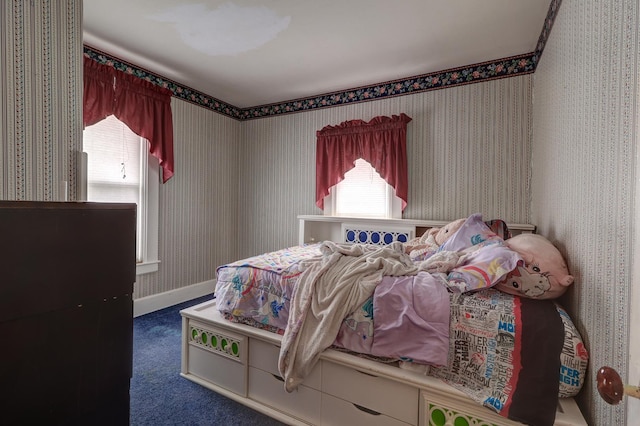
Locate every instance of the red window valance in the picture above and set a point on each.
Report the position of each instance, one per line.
(382, 142)
(141, 105)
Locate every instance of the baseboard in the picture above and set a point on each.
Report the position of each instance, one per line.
(155, 302)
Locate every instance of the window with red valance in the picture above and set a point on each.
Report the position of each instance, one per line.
(144, 107)
(382, 142)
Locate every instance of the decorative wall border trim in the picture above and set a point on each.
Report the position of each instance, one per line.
(546, 28)
(495, 69)
(507, 67)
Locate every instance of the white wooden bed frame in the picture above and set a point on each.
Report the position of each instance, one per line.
(241, 363)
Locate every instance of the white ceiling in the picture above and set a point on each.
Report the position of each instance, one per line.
(250, 52)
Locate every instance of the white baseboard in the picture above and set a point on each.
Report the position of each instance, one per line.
(155, 302)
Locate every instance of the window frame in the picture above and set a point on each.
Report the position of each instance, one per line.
(147, 229)
(149, 196)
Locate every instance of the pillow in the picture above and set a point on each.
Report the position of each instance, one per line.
(573, 359)
(484, 267)
(490, 329)
(473, 231)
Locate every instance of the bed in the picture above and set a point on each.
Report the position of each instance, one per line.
(434, 349)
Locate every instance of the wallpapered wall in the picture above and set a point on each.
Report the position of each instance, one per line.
(239, 185)
(41, 120)
(584, 169)
(198, 206)
(468, 151)
(41, 134)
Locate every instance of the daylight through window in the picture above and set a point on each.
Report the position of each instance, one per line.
(363, 193)
(120, 169)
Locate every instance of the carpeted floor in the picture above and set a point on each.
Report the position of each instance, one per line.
(160, 396)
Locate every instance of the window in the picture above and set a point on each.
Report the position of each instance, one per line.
(380, 141)
(363, 193)
(120, 169)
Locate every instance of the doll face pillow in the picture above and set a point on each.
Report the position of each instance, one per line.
(544, 274)
(442, 234)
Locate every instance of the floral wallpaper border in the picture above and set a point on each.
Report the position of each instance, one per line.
(507, 67)
(499, 68)
(546, 28)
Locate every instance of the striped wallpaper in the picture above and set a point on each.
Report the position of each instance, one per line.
(198, 206)
(468, 151)
(584, 158)
(41, 127)
(556, 148)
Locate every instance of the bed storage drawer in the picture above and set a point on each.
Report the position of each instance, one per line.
(379, 394)
(218, 356)
(264, 355)
(440, 411)
(336, 411)
(267, 388)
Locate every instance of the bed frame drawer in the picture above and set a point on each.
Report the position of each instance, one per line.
(218, 356)
(264, 355)
(267, 388)
(440, 411)
(219, 370)
(379, 394)
(336, 411)
(353, 391)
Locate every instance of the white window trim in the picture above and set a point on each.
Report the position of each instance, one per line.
(149, 192)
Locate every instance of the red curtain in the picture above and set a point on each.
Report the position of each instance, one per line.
(381, 141)
(141, 105)
(99, 93)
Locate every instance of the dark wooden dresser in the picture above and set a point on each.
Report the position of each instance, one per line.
(66, 312)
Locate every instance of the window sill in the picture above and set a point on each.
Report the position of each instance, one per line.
(147, 267)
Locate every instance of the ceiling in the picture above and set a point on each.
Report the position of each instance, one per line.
(249, 53)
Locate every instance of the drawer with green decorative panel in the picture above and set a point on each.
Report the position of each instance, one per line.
(448, 412)
(217, 355)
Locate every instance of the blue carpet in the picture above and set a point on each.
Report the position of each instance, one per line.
(159, 395)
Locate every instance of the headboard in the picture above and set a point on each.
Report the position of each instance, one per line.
(314, 228)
